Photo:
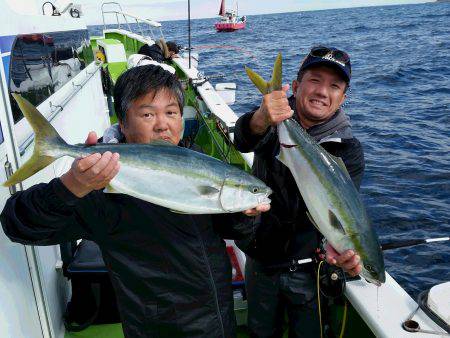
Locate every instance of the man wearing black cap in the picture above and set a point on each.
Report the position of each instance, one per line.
(276, 284)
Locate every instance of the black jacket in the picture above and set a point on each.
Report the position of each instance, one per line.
(284, 232)
(170, 271)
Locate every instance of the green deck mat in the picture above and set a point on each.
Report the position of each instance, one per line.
(98, 331)
(115, 331)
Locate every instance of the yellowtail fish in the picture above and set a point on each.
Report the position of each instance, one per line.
(177, 178)
(334, 205)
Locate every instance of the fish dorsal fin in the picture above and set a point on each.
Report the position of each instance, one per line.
(312, 220)
(334, 221)
(208, 191)
(162, 143)
(341, 164)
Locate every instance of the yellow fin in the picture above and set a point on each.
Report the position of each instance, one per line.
(46, 137)
(258, 81)
(275, 82)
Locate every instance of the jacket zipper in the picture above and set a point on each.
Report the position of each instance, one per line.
(211, 279)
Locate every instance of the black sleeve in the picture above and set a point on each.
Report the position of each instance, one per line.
(352, 154)
(246, 142)
(42, 215)
(233, 226)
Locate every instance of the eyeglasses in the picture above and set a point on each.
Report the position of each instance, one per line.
(331, 54)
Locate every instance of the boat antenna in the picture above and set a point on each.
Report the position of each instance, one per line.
(189, 31)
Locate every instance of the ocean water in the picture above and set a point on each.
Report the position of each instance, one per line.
(399, 105)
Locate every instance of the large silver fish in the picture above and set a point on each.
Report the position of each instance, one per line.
(180, 179)
(334, 204)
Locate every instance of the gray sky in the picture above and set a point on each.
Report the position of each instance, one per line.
(177, 9)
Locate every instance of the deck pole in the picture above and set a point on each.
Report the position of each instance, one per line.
(189, 30)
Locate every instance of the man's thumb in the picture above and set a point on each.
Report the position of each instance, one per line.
(92, 138)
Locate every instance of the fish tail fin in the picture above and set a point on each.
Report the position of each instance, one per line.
(258, 81)
(274, 83)
(46, 137)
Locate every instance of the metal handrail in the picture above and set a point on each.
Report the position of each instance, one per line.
(56, 108)
(126, 15)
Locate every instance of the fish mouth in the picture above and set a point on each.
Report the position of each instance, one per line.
(264, 199)
(376, 282)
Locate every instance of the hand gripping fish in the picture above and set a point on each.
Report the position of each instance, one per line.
(334, 205)
(178, 178)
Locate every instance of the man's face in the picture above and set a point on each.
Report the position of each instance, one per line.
(153, 117)
(319, 94)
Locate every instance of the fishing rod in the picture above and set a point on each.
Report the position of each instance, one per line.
(384, 247)
(189, 31)
(411, 242)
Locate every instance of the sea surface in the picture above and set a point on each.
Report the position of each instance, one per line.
(399, 105)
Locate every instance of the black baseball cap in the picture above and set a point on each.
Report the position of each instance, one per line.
(331, 56)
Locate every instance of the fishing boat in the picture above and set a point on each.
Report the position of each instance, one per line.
(229, 20)
(73, 91)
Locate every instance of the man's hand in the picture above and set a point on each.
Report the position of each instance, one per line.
(256, 211)
(274, 109)
(348, 260)
(92, 172)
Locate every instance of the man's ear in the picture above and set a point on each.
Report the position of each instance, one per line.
(121, 126)
(343, 100)
(295, 85)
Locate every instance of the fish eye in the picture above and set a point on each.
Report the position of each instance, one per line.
(369, 268)
(254, 190)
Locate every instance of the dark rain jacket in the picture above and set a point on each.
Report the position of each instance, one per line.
(284, 232)
(170, 271)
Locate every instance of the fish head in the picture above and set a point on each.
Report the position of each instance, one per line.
(241, 191)
(373, 270)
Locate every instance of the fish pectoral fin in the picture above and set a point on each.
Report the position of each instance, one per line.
(341, 164)
(209, 191)
(334, 221)
(179, 212)
(312, 220)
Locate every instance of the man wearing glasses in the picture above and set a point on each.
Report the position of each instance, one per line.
(285, 235)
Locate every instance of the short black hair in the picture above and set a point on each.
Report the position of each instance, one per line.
(141, 80)
(173, 47)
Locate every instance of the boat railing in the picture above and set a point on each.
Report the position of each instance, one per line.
(116, 9)
(55, 109)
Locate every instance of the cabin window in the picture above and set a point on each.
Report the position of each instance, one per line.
(42, 63)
